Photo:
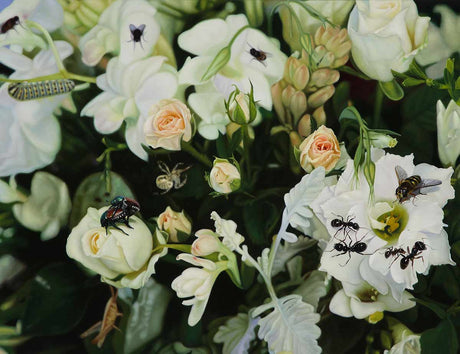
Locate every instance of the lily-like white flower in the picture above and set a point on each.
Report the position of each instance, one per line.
(227, 230)
(197, 283)
(47, 208)
(442, 42)
(448, 128)
(114, 33)
(365, 249)
(409, 343)
(130, 91)
(241, 68)
(47, 13)
(386, 35)
(362, 301)
(30, 137)
(122, 258)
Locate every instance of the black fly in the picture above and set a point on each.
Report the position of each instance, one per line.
(137, 34)
(259, 55)
(9, 24)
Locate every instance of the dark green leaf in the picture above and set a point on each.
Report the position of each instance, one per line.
(441, 339)
(412, 82)
(236, 139)
(341, 97)
(438, 309)
(392, 90)
(349, 113)
(416, 71)
(257, 218)
(57, 301)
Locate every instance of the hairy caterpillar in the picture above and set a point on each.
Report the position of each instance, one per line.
(24, 91)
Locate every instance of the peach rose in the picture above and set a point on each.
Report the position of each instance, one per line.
(224, 177)
(321, 148)
(176, 224)
(168, 123)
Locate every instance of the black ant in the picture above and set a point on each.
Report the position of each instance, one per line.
(137, 34)
(413, 254)
(343, 225)
(357, 247)
(9, 24)
(259, 55)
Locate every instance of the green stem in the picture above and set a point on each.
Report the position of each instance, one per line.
(247, 158)
(178, 247)
(377, 107)
(83, 78)
(188, 148)
(53, 48)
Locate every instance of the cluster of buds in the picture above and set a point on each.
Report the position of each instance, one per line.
(308, 81)
(82, 15)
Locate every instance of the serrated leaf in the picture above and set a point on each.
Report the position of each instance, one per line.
(313, 288)
(297, 211)
(236, 334)
(392, 90)
(288, 250)
(290, 327)
(145, 320)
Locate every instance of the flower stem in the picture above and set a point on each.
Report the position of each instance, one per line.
(246, 142)
(377, 107)
(187, 147)
(178, 247)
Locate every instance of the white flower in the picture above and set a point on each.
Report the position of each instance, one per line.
(409, 344)
(362, 300)
(130, 91)
(113, 35)
(448, 127)
(241, 70)
(386, 35)
(207, 242)
(30, 136)
(47, 208)
(196, 283)
(9, 192)
(442, 42)
(47, 13)
(227, 230)
(384, 225)
(123, 259)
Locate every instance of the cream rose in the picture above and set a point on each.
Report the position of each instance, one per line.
(121, 260)
(206, 243)
(386, 35)
(321, 148)
(224, 177)
(168, 123)
(176, 224)
(47, 208)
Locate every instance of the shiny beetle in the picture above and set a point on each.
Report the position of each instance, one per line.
(120, 210)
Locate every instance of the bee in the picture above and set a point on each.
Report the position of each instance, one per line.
(9, 24)
(171, 179)
(411, 186)
(259, 55)
(25, 91)
(108, 321)
(137, 34)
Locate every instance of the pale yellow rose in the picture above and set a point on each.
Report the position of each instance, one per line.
(123, 259)
(176, 224)
(168, 123)
(224, 177)
(321, 148)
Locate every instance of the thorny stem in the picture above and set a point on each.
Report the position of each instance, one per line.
(187, 147)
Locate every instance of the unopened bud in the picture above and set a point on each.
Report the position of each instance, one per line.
(323, 77)
(382, 141)
(298, 104)
(205, 244)
(241, 107)
(320, 97)
(304, 126)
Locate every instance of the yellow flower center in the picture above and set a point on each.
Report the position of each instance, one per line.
(390, 222)
(94, 242)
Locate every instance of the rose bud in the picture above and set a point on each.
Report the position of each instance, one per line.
(176, 224)
(224, 177)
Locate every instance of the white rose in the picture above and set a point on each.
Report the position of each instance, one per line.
(176, 224)
(113, 254)
(47, 208)
(224, 177)
(386, 35)
(206, 243)
(448, 124)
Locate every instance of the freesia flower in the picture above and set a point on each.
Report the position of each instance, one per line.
(47, 208)
(386, 35)
(241, 68)
(129, 93)
(196, 284)
(47, 13)
(123, 259)
(448, 128)
(227, 230)
(30, 137)
(409, 343)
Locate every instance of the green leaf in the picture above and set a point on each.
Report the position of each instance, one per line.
(350, 113)
(341, 97)
(236, 334)
(258, 216)
(441, 339)
(416, 71)
(412, 82)
(433, 306)
(236, 139)
(457, 83)
(392, 90)
(146, 318)
(450, 65)
(91, 193)
(57, 301)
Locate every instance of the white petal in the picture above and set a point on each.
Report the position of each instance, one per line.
(340, 304)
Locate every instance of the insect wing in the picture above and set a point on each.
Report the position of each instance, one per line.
(113, 212)
(400, 173)
(132, 28)
(141, 28)
(429, 183)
